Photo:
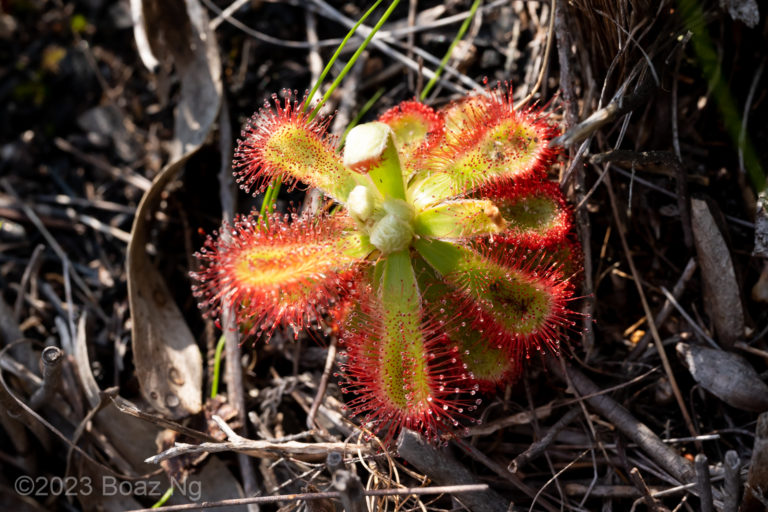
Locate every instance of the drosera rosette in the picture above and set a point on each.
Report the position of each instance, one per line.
(447, 263)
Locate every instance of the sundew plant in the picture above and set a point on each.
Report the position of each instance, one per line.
(446, 257)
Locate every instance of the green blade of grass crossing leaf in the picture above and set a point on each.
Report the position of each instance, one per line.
(336, 56)
(355, 56)
(269, 199)
(459, 36)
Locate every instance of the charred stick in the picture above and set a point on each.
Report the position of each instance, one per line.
(441, 467)
(351, 491)
(537, 448)
(732, 481)
(50, 360)
(638, 432)
(703, 483)
(650, 501)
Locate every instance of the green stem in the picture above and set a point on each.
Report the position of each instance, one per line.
(274, 187)
(267, 204)
(336, 56)
(462, 30)
(217, 366)
(164, 498)
(355, 56)
(275, 192)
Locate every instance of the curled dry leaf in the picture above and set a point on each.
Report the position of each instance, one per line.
(130, 439)
(167, 359)
(722, 294)
(726, 375)
(79, 353)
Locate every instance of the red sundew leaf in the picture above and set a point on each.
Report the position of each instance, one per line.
(525, 299)
(281, 142)
(489, 365)
(534, 213)
(464, 114)
(459, 219)
(566, 254)
(288, 273)
(397, 364)
(415, 125)
(494, 144)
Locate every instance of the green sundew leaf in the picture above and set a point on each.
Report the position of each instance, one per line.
(412, 124)
(288, 273)
(517, 300)
(292, 269)
(410, 131)
(462, 114)
(387, 174)
(534, 213)
(428, 189)
(294, 278)
(301, 156)
(404, 371)
(489, 364)
(538, 214)
(399, 294)
(356, 245)
(509, 149)
(444, 257)
(463, 218)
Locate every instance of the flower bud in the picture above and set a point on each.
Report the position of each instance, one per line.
(365, 145)
(361, 202)
(391, 234)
